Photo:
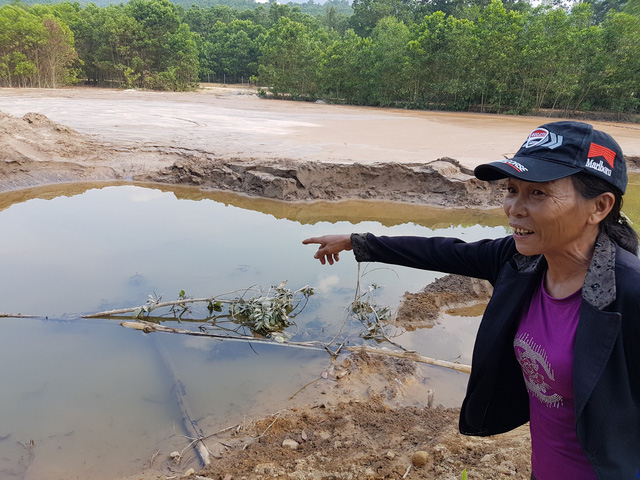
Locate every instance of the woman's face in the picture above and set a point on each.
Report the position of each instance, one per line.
(549, 218)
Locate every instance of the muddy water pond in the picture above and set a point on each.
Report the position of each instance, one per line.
(87, 398)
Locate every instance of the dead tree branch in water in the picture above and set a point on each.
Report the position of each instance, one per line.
(190, 425)
(148, 327)
(413, 356)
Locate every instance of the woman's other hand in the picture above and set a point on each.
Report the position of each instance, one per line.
(330, 247)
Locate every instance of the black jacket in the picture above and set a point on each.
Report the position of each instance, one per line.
(606, 377)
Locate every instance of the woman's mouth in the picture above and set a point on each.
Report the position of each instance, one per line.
(521, 232)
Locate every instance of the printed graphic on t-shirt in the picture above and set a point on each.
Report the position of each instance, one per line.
(538, 373)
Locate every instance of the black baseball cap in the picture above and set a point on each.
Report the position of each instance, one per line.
(559, 149)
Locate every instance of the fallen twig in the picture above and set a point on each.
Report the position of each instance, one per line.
(262, 434)
(188, 422)
(413, 356)
(149, 327)
(16, 315)
(305, 386)
(183, 301)
(155, 455)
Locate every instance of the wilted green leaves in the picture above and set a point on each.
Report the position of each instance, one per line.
(271, 312)
(144, 310)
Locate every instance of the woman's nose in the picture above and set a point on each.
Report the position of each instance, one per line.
(514, 206)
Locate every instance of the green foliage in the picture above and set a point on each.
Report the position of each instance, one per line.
(142, 44)
(372, 316)
(488, 55)
(230, 51)
(632, 7)
(291, 59)
(492, 59)
(143, 311)
(36, 47)
(270, 313)
(265, 313)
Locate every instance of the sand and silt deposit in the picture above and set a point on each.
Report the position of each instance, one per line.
(363, 417)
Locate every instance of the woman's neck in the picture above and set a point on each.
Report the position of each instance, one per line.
(566, 272)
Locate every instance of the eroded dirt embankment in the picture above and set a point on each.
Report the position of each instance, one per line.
(36, 151)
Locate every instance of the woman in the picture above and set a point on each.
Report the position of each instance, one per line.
(559, 343)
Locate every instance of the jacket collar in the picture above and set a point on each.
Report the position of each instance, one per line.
(599, 287)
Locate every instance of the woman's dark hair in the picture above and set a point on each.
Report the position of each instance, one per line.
(614, 225)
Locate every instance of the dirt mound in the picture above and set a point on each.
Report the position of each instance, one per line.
(442, 183)
(35, 137)
(36, 151)
(450, 294)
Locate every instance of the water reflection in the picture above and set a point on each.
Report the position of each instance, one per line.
(352, 211)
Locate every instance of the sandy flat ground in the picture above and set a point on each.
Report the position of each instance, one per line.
(234, 122)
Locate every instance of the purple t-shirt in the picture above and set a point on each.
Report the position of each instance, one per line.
(544, 347)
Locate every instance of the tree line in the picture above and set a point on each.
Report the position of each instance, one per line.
(488, 55)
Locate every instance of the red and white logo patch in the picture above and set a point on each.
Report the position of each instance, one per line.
(596, 150)
(536, 137)
(541, 137)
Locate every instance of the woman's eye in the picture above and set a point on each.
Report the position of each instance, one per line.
(511, 190)
(538, 192)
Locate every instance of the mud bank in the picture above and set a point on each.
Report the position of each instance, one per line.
(450, 294)
(36, 151)
(442, 183)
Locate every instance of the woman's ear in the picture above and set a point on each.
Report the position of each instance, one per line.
(602, 205)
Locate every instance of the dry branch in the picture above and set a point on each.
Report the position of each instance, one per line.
(182, 302)
(190, 425)
(149, 327)
(413, 356)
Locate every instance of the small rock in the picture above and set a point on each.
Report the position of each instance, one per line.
(440, 452)
(507, 468)
(265, 469)
(390, 455)
(487, 458)
(292, 444)
(175, 456)
(189, 472)
(420, 458)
